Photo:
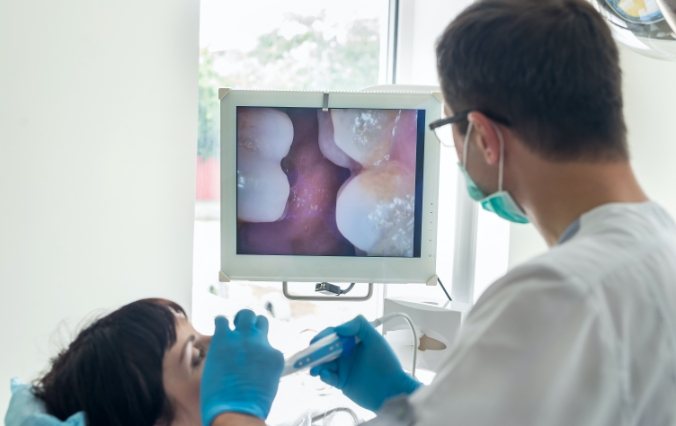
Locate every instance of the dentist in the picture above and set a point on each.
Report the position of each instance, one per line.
(584, 334)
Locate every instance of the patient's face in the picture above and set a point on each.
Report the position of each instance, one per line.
(182, 371)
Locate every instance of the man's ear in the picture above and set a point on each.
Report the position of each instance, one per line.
(486, 137)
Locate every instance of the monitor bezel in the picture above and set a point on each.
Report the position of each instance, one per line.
(299, 268)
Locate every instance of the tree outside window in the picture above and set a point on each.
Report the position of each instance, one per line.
(303, 53)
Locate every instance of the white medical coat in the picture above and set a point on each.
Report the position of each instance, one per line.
(582, 335)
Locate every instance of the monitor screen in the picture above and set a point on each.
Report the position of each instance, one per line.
(317, 187)
(342, 182)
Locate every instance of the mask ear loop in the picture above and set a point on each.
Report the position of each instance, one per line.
(502, 158)
(466, 143)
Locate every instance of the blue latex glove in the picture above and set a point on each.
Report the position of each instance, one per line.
(27, 410)
(370, 374)
(242, 371)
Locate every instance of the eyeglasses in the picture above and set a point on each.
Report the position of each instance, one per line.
(445, 136)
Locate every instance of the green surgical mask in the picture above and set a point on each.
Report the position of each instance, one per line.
(501, 202)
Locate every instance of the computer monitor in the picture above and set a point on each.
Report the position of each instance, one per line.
(328, 186)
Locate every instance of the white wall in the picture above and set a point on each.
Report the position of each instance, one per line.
(650, 111)
(98, 105)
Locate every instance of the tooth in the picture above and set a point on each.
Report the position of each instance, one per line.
(327, 143)
(262, 190)
(265, 131)
(365, 135)
(375, 210)
(264, 137)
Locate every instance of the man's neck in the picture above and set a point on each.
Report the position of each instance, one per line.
(559, 193)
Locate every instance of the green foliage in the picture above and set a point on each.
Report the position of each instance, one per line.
(316, 56)
(209, 82)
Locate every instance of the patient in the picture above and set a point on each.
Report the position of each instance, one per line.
(140, 365)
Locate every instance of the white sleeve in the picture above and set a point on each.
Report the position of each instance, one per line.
(535, 350)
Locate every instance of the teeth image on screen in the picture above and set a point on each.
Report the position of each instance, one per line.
(264, 137)
(327, 144)
(375, 210)
(349, 184)
(365, 135)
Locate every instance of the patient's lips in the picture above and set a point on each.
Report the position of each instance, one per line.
(375, 210)
(264, 137)
(365, 135)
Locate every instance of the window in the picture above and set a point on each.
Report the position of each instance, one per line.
(317, 45)
(300, 45)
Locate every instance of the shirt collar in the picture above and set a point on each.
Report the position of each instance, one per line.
(569, 232)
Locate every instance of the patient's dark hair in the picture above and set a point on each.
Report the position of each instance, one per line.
(550, 67)
(113, 369)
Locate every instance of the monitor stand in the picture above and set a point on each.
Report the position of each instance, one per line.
(332, 292)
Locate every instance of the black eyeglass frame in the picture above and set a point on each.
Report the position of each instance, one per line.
(461, 116)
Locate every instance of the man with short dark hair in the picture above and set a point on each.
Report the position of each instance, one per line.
(582, 335)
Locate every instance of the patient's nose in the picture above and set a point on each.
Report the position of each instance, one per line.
(205, 341)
